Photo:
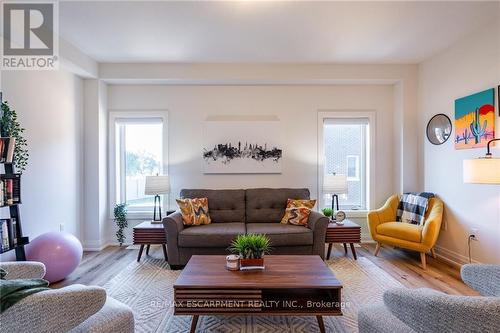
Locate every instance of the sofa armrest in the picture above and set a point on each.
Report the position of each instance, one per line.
(318, 223)
(173, 226)
(113, 317)
(57, 310)
(426, 310)
(483, 278)
(376, 318)
(387, 213)
(23, 269)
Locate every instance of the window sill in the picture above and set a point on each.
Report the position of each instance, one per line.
(137, 216)
(356, 213)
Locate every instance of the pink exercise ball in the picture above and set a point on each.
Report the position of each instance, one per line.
(60, 252)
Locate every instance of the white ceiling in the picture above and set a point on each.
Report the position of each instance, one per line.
(268, 32)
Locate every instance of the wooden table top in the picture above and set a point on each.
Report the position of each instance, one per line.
(281, 272)
(149, 225)
(347, 224)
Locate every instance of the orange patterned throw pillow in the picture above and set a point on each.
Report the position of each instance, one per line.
(297, 212)
(194, 211)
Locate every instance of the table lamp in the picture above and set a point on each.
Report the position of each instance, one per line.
(483, 170)
(335, 184)
(156, 185)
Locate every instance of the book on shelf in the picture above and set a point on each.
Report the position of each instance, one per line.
(8, 234)
(7, 149)
(10, 189)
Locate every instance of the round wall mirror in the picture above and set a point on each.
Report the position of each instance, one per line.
(439, 129)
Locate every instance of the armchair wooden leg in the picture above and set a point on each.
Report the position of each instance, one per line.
(433, 253)
(422, 259)
(377, 249)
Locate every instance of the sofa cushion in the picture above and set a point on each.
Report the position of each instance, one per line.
(282, 234)
(211, 235)
(399, 230)
(265, 205)
(194, 211)
(223, 205)
(297, 212)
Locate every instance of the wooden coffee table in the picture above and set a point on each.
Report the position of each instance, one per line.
(299, 285)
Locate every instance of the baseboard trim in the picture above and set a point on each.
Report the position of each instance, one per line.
(114, 243)
(94, 248)
(453, 258)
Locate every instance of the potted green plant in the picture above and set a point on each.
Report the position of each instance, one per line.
(327, 212)
(120, 213)
(10, 127)
(251, 248)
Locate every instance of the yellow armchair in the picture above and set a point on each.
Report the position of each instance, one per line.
(421, 238)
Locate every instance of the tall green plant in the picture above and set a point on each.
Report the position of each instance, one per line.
(10, 127)
(121, 221)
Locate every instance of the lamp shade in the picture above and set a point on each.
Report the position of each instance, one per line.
(482, 171)
(157, 185)
(336, 184)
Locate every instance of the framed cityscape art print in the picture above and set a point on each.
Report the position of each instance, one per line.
(234, 146)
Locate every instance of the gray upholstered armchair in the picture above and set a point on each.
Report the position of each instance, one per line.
(426, 310)
(76, 308)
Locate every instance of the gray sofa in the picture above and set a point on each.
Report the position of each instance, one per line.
(74, 309)
(236, 212)
(428, 311)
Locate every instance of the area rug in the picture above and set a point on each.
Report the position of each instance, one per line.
(147, 288)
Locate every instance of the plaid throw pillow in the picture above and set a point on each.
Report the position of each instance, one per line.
(297, 211)
(412, 207)
(194, 211)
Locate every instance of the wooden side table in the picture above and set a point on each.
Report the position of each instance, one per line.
(350, 233)
(147, 234)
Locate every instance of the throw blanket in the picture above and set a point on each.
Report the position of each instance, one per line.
(12, 291)
(412, 207)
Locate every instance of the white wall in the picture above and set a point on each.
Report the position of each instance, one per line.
(297, 108)
(49, 105)
(471, 65)
(95, 165)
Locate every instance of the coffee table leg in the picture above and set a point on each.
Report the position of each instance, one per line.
(164, 251)
(353, 251)
(329, 251)
(345, 248)
(147, 249)
(140, 253)
(194, 322)
(321, 324)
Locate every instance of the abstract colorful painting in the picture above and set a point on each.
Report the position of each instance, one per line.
(475, 120)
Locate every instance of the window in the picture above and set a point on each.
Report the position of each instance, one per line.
(352, 167)
(138, 144)
(345, 149)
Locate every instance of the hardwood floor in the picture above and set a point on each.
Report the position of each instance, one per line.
(405, 267)
(97, 268)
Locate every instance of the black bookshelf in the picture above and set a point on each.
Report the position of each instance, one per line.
(20, 240)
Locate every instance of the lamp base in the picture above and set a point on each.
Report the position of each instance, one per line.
(156, 222)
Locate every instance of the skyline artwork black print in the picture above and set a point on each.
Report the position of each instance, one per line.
(225, 153)
(243, 147)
